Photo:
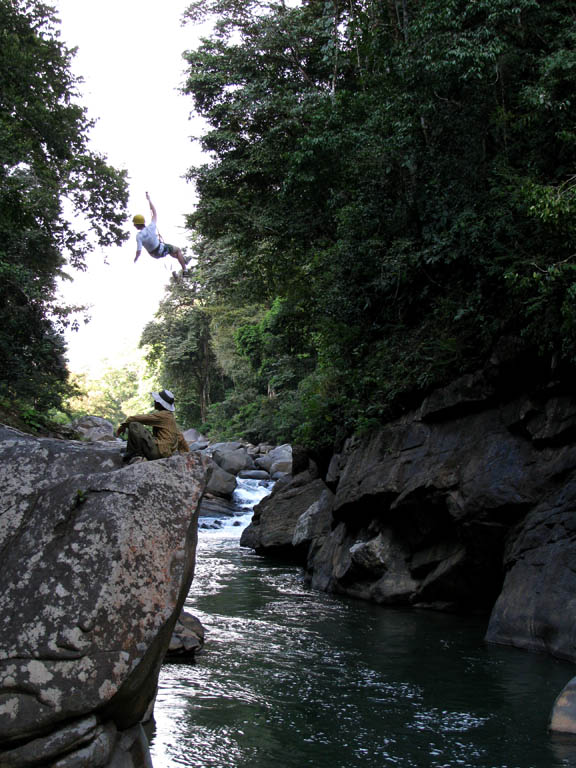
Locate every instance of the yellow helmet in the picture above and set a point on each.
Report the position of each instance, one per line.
(138, 220)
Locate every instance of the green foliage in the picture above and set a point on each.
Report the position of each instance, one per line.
(279, 347)
(45, 165)
(118, 393)
(179, 351)
(81, 497)
(395, 189)
(248, 415)
(225, 324)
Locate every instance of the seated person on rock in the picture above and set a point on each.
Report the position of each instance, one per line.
(167, 439)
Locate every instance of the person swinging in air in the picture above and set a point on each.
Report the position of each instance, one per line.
(149, 238)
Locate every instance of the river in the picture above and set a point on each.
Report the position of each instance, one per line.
(291, 677)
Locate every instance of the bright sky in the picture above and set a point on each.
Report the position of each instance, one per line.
(130, 57)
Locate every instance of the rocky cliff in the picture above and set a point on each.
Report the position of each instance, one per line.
(96, 560)
(467, 502)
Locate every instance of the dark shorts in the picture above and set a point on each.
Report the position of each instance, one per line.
(164, 249)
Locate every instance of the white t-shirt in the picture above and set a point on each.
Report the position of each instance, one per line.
(148, 238)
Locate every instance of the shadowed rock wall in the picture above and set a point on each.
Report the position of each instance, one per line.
(465, 503)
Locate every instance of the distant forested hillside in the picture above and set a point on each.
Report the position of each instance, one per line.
(391, 189)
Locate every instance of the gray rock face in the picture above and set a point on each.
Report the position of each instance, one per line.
(214, 506)
(220, 482)
(315, 522)
(233, 461)
(277, 460)
(94, 428)
(187, 638)
(537, 606)
(437, 501)
(466, 503)
(96, 563)
(274, 519)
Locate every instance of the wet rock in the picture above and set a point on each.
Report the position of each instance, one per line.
(210, 525)
(466, 503)
(253, 474)
(214, 506)
(187, 638)
(275, 517)
(563, 715)
(452, 492)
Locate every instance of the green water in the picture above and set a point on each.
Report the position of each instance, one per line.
(292, 677)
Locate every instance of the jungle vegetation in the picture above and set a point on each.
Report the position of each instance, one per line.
(390, 190)
(58, 200)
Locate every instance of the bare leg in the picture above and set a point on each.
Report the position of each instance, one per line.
(178, 255)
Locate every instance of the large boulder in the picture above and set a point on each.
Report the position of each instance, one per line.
(275, 518)
(94, 428)
(215, 506)
(97, 561)
(232, 457)
(277, 460)
(193, 436)
(439, 494)
(187, 638)
(220, 482)
(537, 605)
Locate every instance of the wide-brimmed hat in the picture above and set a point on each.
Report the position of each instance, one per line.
(165, 398)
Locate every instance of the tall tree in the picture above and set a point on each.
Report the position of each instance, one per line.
(46, 168)
(399, 176)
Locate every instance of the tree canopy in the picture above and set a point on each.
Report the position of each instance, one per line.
(49, 177)
(392, 184)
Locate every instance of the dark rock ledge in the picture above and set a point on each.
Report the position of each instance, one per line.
(95, 563)
(467, 503)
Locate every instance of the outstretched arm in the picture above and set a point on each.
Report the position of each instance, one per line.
(152, 209)
(138, 246)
